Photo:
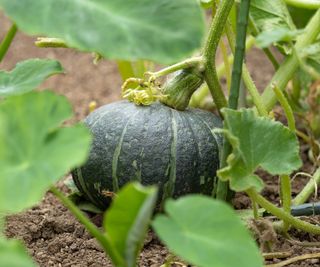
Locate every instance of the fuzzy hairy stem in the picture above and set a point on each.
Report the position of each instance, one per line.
(209, 53)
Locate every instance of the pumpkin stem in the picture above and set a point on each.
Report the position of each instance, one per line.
(180, 88)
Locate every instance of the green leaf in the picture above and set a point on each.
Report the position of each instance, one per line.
(257, 141)
(117, 29)
(206, 233)
(13, 254)
(34, 151)
(273, 20)
(27, 75)
(128, 218)
(269, 15)
(277, 35)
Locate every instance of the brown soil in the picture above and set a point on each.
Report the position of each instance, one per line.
(54, 238)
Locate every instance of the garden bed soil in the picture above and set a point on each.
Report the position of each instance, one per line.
(54, 238)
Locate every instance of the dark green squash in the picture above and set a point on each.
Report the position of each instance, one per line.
(155, 144)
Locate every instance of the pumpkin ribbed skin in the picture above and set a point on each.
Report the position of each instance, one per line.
(155, 144)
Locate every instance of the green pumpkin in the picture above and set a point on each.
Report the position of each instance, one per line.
(155, 145)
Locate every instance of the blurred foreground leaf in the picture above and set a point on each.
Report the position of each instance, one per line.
(13, 254)
(127, 220)
(34, 150)
(117, 29)
(206, 233)
(27, 75)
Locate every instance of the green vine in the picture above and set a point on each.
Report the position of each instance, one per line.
(281, 214)
(199, 96)
(285, 193)
(210, 49)
(5, 44)
(222, 187)
(286, 107)
(308, 190)
(308, 4)
(251, 87)
(188, 63)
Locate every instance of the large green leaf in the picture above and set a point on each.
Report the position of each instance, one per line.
(13, 254)
(206, 233)
(34, 151)
(128, 218)
(27, 75)
(257, 141)
(162, 30)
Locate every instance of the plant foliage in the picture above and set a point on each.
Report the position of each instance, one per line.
(206, 233)
(117, 29)
(13, 254)
(127, 220)
(34, 150)
(27, 75)
(257, 142)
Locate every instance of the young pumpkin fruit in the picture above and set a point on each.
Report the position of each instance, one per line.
(155, 145)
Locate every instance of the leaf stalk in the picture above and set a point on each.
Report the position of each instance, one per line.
(210, 49)
(281, 214)
(5, 44)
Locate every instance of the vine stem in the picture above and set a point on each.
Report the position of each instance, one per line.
(242, 23)
(281, 214)
(101, 237)
(190, 62)
(308, 4)
(5, 44)
(286, 107)
(294, 259)
(290, 65)
(285, 193)
(308, 190)
(250, 85)
(200, 95)
(210, 49)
